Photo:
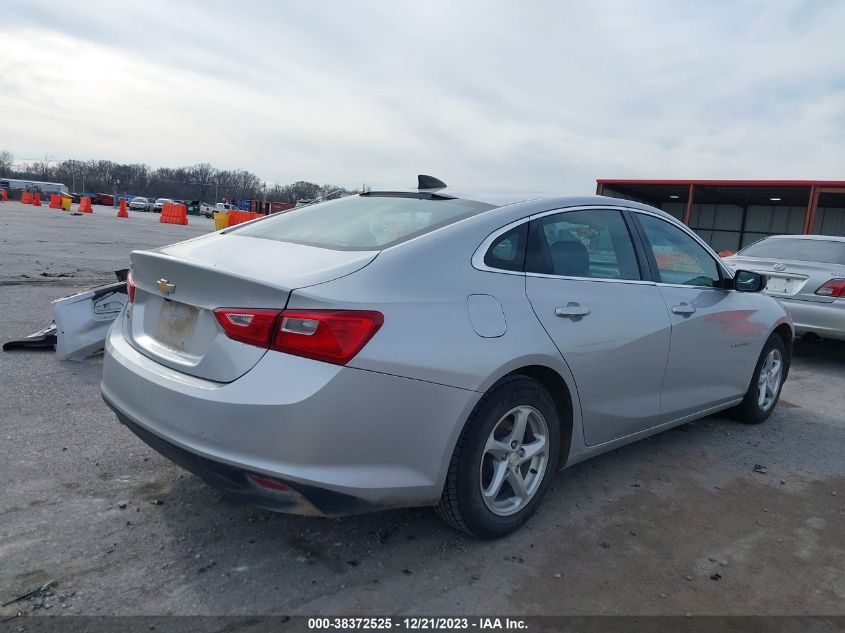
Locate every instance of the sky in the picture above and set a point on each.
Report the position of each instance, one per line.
(537, 95)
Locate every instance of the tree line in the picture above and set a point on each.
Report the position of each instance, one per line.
(196, 182)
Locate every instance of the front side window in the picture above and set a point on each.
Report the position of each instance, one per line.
(679, 258)
(592, 243)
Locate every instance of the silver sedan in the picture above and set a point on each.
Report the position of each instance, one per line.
(434, 347)
(807, 275)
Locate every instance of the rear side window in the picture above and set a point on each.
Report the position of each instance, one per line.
(798, 250)
(363, 222)
(508, 251)
(591, 243)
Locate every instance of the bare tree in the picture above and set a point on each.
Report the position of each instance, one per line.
(186, 183)
(7, 162)
(203, 175)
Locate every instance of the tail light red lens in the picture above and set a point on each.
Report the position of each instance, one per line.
(246, 325)
(332, 336)
(130, 287)
(834, 288)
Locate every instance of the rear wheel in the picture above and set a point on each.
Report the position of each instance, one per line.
(503, 461)
(764, 391)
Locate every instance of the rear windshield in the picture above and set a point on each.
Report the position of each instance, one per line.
(798, 250)
(363, 222)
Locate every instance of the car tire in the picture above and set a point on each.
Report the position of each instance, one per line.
(479, 458)
(763, 394)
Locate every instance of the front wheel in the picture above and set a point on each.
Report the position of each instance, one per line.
(764, 391)
(504, 460)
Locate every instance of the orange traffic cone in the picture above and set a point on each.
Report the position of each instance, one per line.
(85, 205)
(4, 195)
(122, 213)
(37, 201)
(26, 197)
(55, 201)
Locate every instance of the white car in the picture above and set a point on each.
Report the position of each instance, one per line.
(159, 204)
(208, 210)
(139, 204)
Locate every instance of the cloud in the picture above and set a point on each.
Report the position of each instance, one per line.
(542, 95)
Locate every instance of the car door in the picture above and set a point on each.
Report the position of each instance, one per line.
(715, 331)
(586, 285)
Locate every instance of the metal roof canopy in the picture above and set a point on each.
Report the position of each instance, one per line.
(807, 193)
(739, 192)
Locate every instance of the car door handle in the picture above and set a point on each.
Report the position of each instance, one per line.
(571, 310)
(684, 309)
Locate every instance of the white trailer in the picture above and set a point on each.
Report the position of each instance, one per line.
(15, 184)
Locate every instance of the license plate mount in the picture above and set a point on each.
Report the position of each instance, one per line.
(176, 324)
(779, 285)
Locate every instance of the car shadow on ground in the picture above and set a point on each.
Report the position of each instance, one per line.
(204, 530)
(212, 541)
(819, 351)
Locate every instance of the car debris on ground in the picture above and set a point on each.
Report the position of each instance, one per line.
(80, 322)
(35, 593)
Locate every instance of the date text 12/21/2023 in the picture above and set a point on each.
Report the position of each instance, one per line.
(427, 623)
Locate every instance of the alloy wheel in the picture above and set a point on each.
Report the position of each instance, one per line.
(514, 461)
(769, 381)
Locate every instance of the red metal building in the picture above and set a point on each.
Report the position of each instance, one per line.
(730, 214)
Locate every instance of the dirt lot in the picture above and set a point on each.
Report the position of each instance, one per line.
(681, 523)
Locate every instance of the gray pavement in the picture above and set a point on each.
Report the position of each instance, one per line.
(679, 523)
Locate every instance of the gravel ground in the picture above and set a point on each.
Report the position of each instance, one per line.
(711, 518)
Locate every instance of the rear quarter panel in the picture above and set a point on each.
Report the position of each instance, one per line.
(422, 287)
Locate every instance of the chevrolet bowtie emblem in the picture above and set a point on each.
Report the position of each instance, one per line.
(165, 287)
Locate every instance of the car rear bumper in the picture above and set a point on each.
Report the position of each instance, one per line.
(346, 440)
(259, 490)
(824, 319)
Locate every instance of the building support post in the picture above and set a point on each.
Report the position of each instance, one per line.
(810, 216)
(688, 211)
(599, 188)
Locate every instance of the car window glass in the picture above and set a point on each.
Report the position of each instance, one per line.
(363, 222)
(680, 259)
(592, 243)
(508, 250)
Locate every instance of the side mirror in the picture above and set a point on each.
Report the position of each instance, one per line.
(747, 281)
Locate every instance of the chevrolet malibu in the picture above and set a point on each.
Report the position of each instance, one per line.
(429, 347)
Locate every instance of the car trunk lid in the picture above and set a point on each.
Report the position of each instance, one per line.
(178, 287)
(791, 279)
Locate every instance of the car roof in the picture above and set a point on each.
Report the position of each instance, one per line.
(503, 198)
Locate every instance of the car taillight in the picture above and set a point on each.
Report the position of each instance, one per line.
(130, 287)
(332, 336)
(834, 288)
(246, 325)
